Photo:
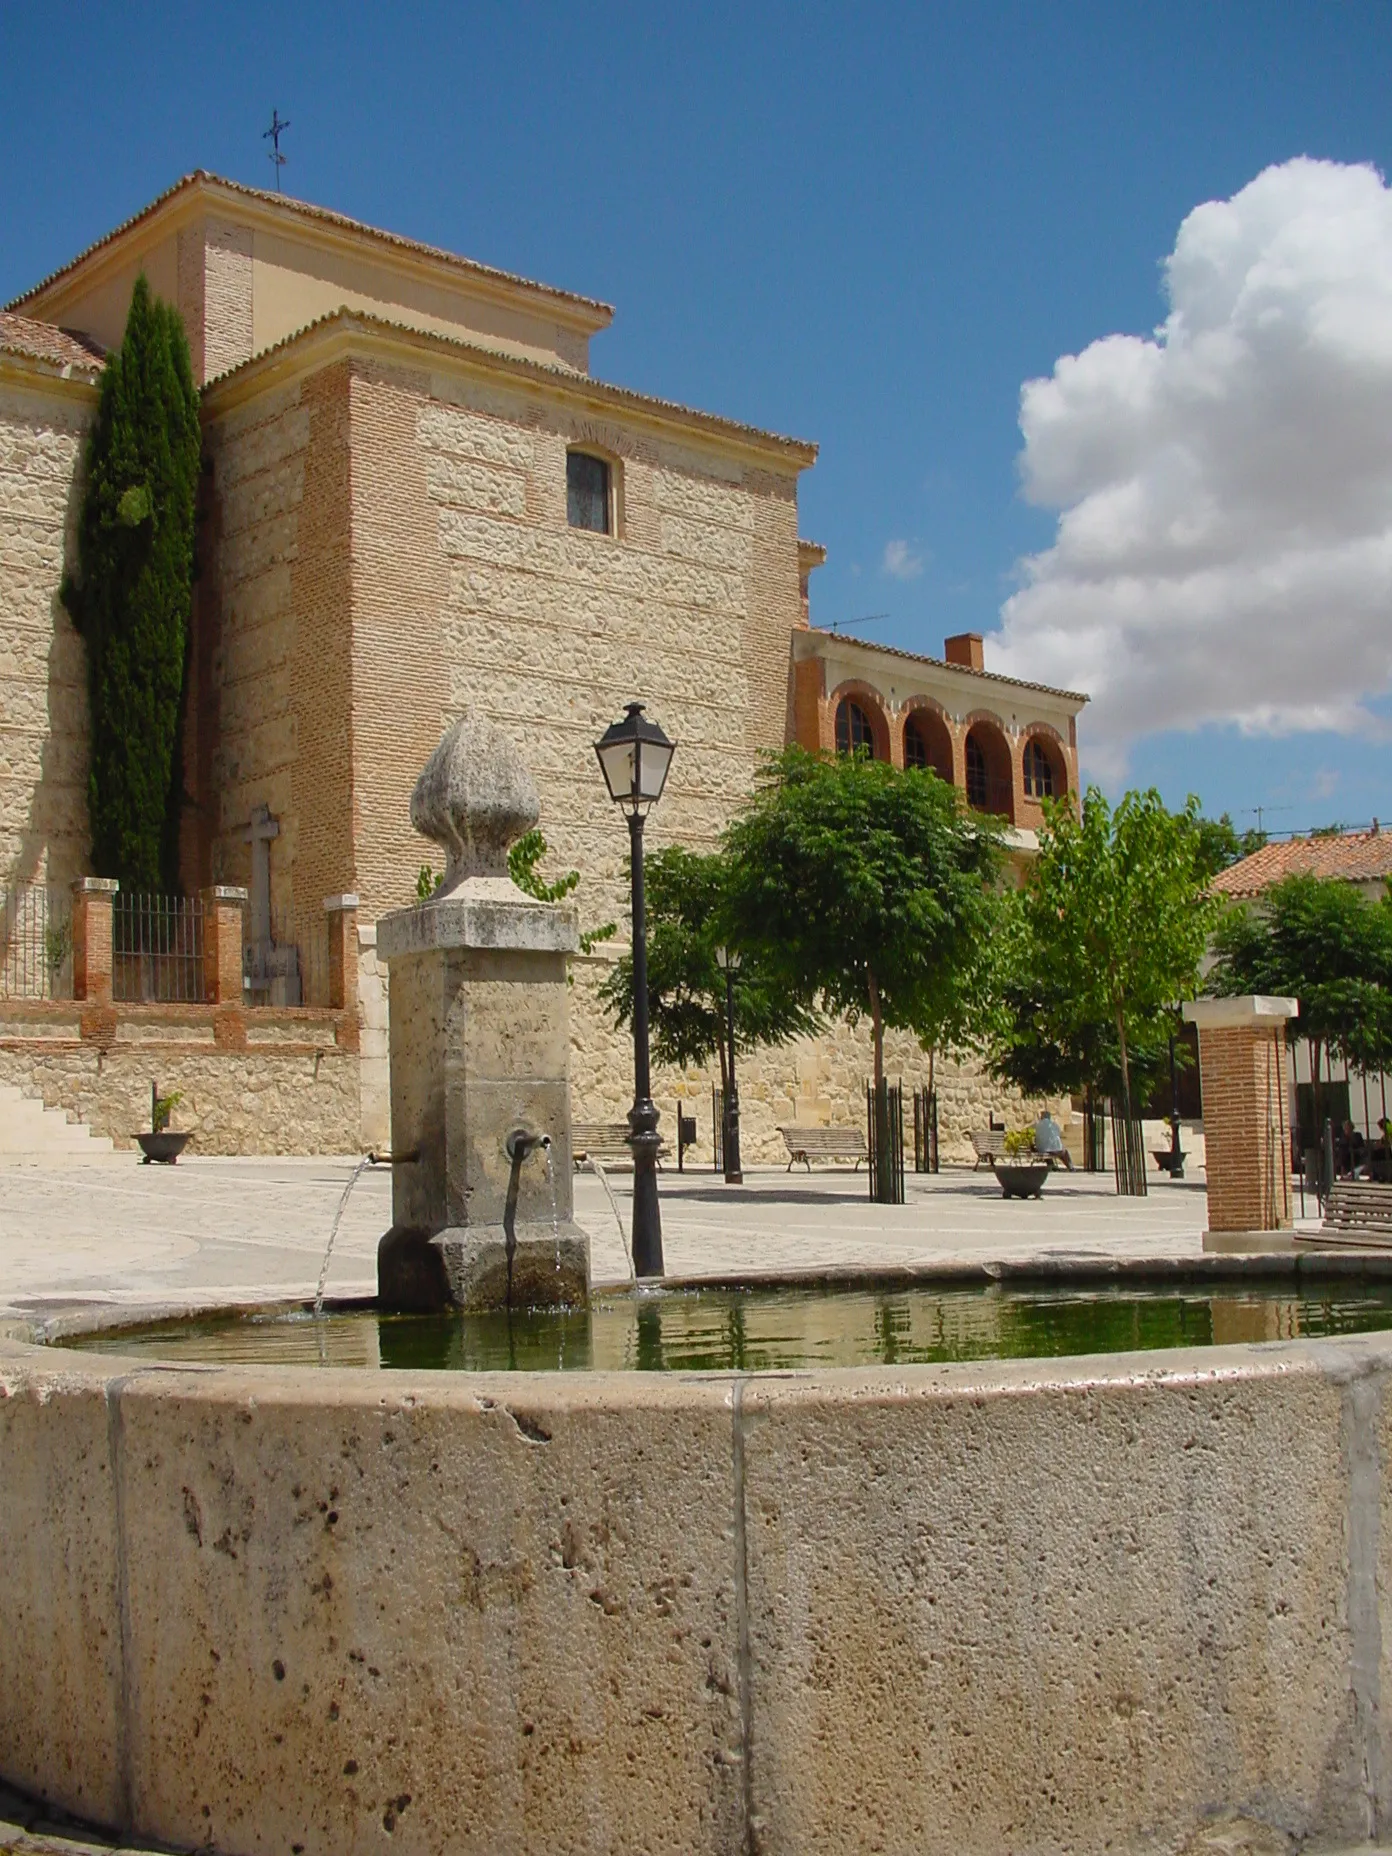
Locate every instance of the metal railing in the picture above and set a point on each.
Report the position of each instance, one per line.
(35, 942)
(157, 949)
(884, 1115)
(925, 1124)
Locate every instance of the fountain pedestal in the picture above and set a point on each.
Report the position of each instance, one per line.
(480, 1057)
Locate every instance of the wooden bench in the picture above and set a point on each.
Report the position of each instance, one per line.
(990, 1146)
(809, 1144)
(605, 1141)
(1358, 1211)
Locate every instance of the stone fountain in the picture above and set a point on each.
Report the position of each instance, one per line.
(480, 1055)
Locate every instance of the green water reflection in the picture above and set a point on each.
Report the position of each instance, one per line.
(758, 1330)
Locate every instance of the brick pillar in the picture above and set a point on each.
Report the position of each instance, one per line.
(1246, 1110)
(342, 912)
(91, 937)
(222, 944)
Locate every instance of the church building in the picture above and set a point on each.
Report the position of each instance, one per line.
(419, 500)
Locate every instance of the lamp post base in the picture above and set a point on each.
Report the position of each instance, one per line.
(646, 1241)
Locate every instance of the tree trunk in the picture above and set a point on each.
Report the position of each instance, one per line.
(1125, 1067)
(877, 1024)
(932, 1061)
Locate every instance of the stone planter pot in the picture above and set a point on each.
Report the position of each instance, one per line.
(1022, 1179)
(164, 1147)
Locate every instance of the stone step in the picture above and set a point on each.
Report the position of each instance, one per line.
(27, 1127)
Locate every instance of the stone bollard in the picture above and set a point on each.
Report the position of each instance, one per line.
(1244, 1079)
(222, 944)
(342, 912)
(480, 1056)
(91, 938)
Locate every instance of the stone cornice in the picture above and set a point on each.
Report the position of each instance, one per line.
(312, 225)
(350, 334)
(60, 379)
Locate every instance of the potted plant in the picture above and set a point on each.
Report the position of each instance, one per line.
(162, 1143)
(1021, 1172)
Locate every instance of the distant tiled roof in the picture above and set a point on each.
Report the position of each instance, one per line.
(1357, 856)
(589, 306)
(40, 341)
(874, 647)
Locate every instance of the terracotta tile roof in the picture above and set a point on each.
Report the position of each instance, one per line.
(1357, 856)
(873, 646)
(602, 313)
(40, 341)
(802, 451)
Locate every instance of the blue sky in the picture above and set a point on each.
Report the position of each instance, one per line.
(867, 226)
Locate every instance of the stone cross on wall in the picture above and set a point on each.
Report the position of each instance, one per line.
(263, 829)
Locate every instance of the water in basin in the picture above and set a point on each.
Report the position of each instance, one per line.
(724, 1328)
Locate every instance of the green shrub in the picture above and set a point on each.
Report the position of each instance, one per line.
(133, 591)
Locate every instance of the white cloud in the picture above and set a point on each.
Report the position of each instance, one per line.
(900, 561)
(1224, 547)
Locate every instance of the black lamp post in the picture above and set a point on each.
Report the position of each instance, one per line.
(728, 960)
(634, 756)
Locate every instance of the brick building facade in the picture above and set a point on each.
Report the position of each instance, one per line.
(388, 538)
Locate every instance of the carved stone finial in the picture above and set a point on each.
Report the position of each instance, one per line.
(475, 798)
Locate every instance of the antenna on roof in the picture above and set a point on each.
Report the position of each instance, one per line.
(1259, 812)
(273, 135)
(869, 618)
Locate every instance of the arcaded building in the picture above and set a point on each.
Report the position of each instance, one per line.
(418, 500)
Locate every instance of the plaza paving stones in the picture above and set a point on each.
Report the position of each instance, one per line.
(211, 1231)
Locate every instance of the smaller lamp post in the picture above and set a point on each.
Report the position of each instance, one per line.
(634, 756)
(728, 960)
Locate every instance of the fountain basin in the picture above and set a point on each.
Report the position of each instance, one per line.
(1094, 1603)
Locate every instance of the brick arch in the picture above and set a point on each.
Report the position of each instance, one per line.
(1052, 742)
(930, 720)
(984, 730)
(870, 700)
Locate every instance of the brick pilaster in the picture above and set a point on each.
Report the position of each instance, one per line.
(222, 944)
(342, 912)
(1246, 1111)
(91, 937)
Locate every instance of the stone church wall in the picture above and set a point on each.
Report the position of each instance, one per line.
(248, 632)
(43, 673)
(391, 549)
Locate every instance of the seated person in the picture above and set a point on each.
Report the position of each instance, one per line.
(1350, 1148)
(1048, 1140)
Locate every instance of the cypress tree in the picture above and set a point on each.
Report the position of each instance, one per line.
(132, 598)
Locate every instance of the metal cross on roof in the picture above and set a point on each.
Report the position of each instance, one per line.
(273, 134)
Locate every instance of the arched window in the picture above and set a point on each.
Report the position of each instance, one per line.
(978, 781)
(853, 729)
(1039, 772)
(927, 744)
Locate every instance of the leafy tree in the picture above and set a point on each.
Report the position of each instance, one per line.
(523, 859)
(1038, 1039)
(685, 893)
(864, 887)
(1116, 905)
(133, 592)
(1319, 940)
